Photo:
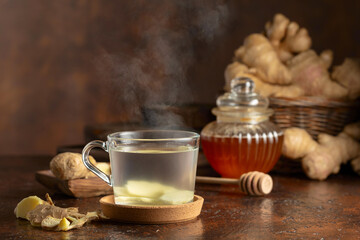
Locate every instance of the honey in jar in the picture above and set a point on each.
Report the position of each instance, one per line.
(242, 139)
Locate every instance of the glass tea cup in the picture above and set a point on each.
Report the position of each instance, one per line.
(149, 167)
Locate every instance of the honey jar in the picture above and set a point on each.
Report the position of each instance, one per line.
(242, 139)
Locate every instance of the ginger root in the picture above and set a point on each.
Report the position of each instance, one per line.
(322, 158)
(50, 222)
(287, 37)
(41, 211)
(353, 130)
(257, 52)
(348, 74)
(327, 57)
(282, 64)
(310, 72)
(332, 152)
(50, 217)
(310, 78)
(237, 69)
(297, 143)
(276, 29)
(66, 166)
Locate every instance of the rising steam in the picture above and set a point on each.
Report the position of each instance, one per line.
(155, 72)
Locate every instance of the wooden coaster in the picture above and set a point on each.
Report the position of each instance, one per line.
(154, 214)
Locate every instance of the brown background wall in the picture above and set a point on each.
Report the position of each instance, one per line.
(67, 64)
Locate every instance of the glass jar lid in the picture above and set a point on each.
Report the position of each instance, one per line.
(243, 102)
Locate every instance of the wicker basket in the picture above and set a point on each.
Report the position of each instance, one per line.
(315, 114)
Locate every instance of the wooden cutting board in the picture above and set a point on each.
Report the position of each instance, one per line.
(80, 188)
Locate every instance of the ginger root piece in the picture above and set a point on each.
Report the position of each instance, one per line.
(104, 166)
(40, 212)
(276, 29)
(237, 69)
(297, 143)
(287, 37)
(51, 217)
(327, 56)
(348, 74)
(66, 166)
(332, 152)
(50, 222)
(297, 39)
(257, 52)
(353, 130)
(323, 158)
(309, 71)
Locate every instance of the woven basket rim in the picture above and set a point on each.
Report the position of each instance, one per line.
(311, 101)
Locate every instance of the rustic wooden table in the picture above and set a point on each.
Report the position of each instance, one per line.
(297, 208)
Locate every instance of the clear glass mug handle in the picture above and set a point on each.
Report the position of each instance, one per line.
(92, 167)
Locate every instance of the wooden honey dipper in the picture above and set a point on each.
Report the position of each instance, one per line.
(252, 183)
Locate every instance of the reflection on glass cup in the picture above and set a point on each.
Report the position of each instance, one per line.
(149, 167)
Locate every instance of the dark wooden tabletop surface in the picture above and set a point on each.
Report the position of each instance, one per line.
(297, 208)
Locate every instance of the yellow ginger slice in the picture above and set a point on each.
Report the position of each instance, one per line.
(150, 193)
(136, 200)
(63, 225)
(26, 205)
(177, 197)
(122, 196)
(146, 189)
(120, 191)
